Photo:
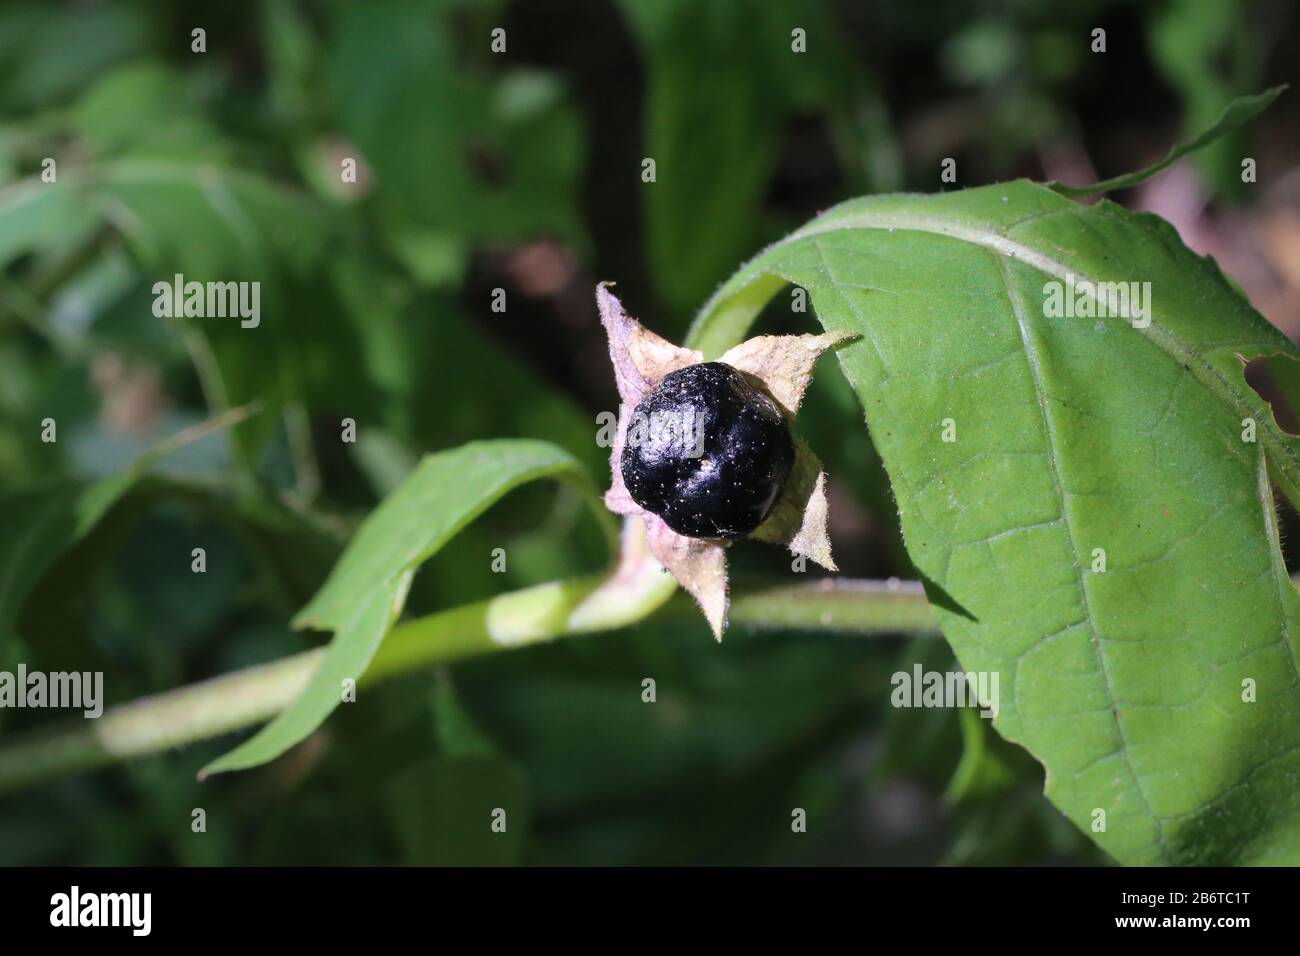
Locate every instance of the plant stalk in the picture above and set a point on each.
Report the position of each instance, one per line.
(533, 615)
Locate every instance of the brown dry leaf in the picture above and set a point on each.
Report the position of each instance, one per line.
(640, 357)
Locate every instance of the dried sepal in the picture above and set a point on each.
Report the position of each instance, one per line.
(640, 360)
(698, 564)
(784, 363)
(798, 518)
(640, 357)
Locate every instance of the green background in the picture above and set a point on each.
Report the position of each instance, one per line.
(519, 171)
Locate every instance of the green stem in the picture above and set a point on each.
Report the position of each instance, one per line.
(533, 615)
(838, 605)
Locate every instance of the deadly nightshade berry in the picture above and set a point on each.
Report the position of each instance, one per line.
(707, 452)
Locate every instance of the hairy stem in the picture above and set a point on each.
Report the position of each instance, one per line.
(561, 608)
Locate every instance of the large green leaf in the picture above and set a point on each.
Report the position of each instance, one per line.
(366, 590)
(1077, 434)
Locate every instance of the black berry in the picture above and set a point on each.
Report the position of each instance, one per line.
(707, 452)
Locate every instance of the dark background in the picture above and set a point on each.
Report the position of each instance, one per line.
(522, 171)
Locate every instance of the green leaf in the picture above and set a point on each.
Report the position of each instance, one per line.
(38, 217)
(365, 592)
(442, 808)
(210, 222)
(1073, 435)
(201, 219)
(1236, 114)
(1206, 51)
(48, 53)
(144, 108)
(207, 220)
(507, 149)
(41, 524)
(722, 81)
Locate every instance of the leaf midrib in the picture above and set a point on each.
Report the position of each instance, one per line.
(1284, 456)
(1032, 360)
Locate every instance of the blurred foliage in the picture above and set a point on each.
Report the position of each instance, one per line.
(479, 171)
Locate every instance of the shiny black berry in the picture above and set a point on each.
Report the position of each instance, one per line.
(707, 452)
